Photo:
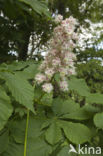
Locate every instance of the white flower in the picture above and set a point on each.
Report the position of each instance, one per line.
(60, 57)
(49, 72)
(73, 20)
(47, 87)
(40, 78)
(75, 36)
(72, 71)
(64, 85)
(43, 65)
(56, 61)
(58, 18)
(63, 71)
(53, 52)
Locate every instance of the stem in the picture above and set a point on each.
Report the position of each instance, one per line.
(26, 133)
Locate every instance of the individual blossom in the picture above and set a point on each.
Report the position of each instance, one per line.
(63, 86)
(43, 65)
(72, 71)
(40, 78)
(63, 71)
(49, 72)
(75, 36)
(47, 87)
(53, 52)
(58, 18)
(56, 61)
(73, 21)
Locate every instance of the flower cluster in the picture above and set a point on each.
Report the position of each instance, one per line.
(60, 58)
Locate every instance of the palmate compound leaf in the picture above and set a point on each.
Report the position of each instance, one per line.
(36, 144)
(21, 90)
(98, 120)
(17, 129)
(79, 85)
(53, 134)
(6, 108)
(77, 133)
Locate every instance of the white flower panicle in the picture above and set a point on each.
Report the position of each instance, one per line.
(60, 57)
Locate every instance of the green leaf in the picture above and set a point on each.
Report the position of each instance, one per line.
(21, 90)
(65, 152)
(17, 129)
(62, 106)
(35, 142)
(34, 129)
(46, 123)
(14, 149)
(47, 99)
(17, 65)
(6, 108)
(78, 85)
(77, 133)
(95, 99)
(80, 114)
(29, 72)
(53, 134)
(98, 120)
(38, 147)
(92, 109)
(38, 6)
(57, 77)
(38, 93)
(4, 140)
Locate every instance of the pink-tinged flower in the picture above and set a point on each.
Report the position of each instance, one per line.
(65, 47)
(58, 29)
(72, 71)
(53, 52)
(73, 56)
(69, 58)
(56, 61)
(49, 72)
(63, 71)
(47, 87)
(40, 78)
(58, 18)
(64, 24)
(69, 62)
(73, 20)
(43, 65)
(60, 57)
(64, 86)
(75, 36)
(72, 44)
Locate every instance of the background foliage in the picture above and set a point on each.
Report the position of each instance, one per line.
(54, 121)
